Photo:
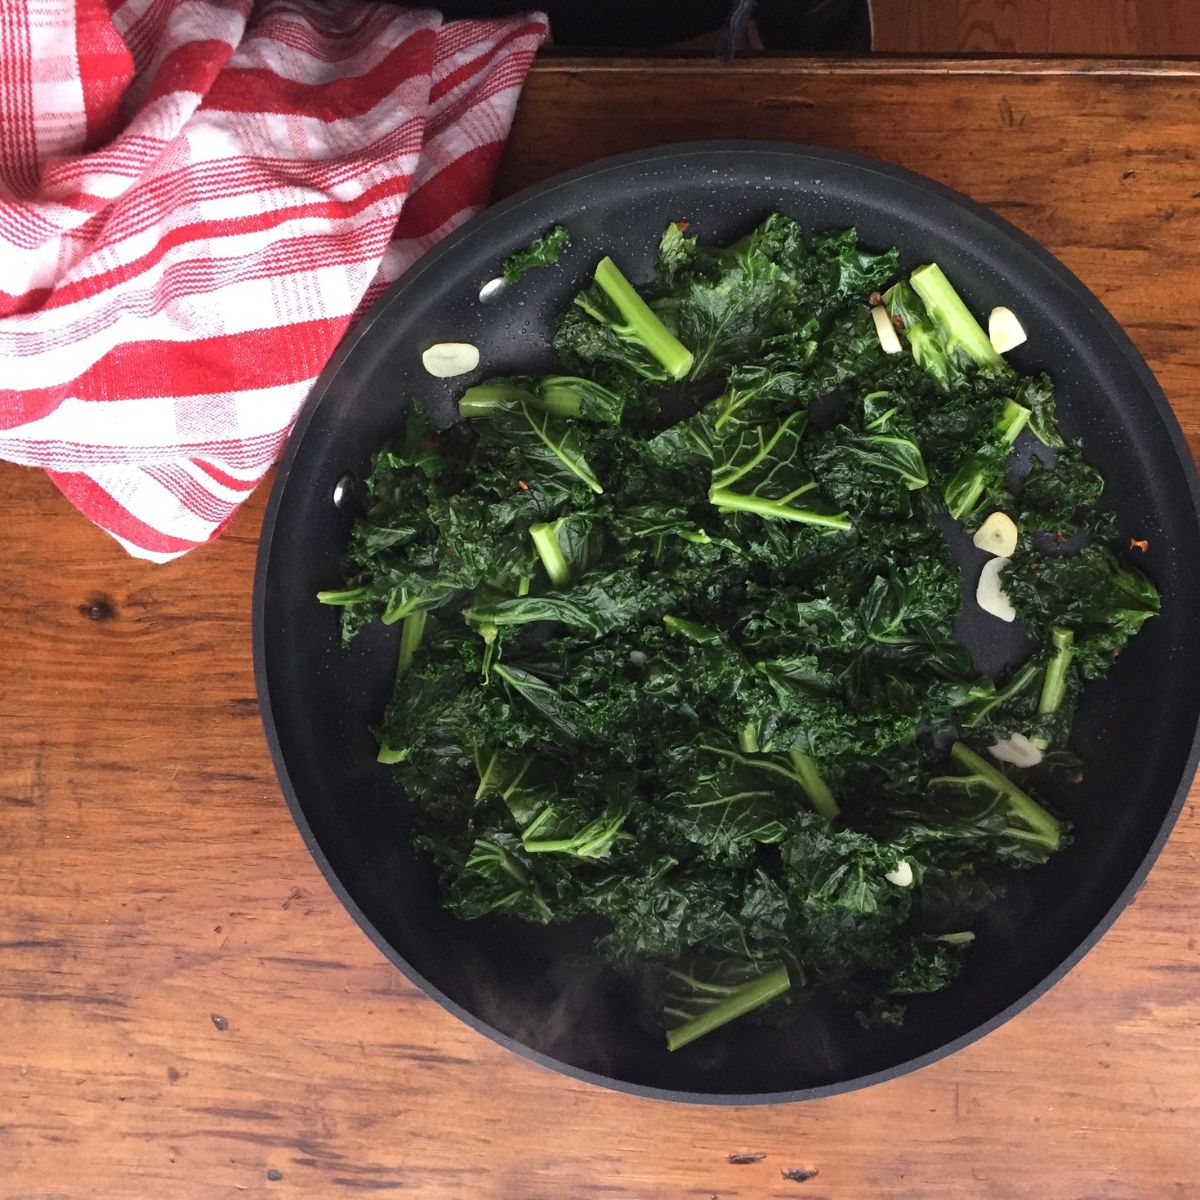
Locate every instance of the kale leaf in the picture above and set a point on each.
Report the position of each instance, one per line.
(543, 251)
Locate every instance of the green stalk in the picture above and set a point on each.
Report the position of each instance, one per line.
(967, 485)
(545, 542)
(345, 596)
(488, 631)
(1018, 683)
(556, 396)
(411, 633)
(727, 501)
(485, 775)
(740, 1001)
(559, 395)
(573, 396)
(486, 399)
(1013, 419)
(880, 422)
(397, 612)
(818, 790)
(691, 630)
(577, 465)
(748, 739)
(804, 773)
(946, 307)
(1054, 682)
(674, 356)
(967, 501)
(1046, 829)
(594, 840)
(901, 301)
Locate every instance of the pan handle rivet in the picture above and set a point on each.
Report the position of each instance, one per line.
(343, 491)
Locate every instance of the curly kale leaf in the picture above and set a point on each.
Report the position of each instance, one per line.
(543, 251)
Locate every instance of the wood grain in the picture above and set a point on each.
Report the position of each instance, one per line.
(1118, 27)
(188, 1012)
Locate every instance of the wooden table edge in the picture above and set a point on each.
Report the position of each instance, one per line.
(551, 62)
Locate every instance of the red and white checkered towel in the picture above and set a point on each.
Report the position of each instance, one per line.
(196, 197)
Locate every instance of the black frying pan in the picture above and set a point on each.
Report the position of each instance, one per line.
(528, 987)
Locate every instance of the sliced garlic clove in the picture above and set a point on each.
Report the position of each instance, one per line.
(997, 535)
(963, 938)
(1017, 750)
(447, 359)
(1004, 330)
(889, 339)
(902, 875)
(989, 595)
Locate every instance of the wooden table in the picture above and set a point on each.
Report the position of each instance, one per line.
(186, 1011)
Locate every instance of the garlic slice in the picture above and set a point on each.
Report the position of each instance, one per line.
(1004, 330)
(989, 595)
(1018, 750)
(889, 339)
(447, 359)
(902, 875)
(963, 938)
(997, 535)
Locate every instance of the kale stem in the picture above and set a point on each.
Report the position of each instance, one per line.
(727, 501)
(946, 307)
(485, 399)
(399, 611)
(574, 463)
(1054, 682)
(565, 396)
(804, 773)
(485, 776)
(1047, 829)
(1018, 683)
(545, 542)
(691, 630)
(699, 985)
(344, 596)
(748, 997)
(748, 739)
(810, 780)
(411, 633)
(675, 357)
(1013, 419)
(1054, 685)
(901, 301)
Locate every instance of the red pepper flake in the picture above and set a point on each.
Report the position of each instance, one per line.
(1077, 777)
(875, 299)
(522, 485)
(682, 226)
(1142, 544)
(1116, 654)
(1034, 566)
(898, 321)
(1059, 536)
(433, 440)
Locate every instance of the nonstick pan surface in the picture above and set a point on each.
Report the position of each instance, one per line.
(531, 988)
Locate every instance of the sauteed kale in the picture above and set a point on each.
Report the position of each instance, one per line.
(543, 251)
(677, 626)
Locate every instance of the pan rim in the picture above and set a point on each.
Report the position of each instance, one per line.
(537, 193)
